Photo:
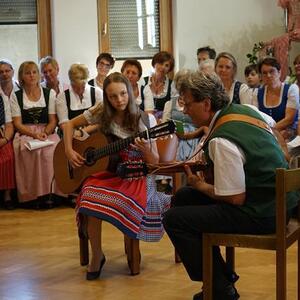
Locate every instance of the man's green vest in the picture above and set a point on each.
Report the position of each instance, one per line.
(263, 155)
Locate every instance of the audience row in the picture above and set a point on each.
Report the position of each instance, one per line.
(38, 105)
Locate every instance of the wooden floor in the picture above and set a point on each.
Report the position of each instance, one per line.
(39, 260)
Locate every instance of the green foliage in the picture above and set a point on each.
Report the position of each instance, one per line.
(252, 57)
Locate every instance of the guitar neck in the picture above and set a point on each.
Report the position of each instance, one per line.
(156, 131)
(117, 146)
(176, 167)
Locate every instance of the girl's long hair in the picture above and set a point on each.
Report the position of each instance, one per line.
(132, 111)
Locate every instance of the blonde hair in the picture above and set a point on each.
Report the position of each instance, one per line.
(230, 57)
(78, 73)
(23, 68)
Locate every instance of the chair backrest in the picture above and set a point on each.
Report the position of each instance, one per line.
(287, 180)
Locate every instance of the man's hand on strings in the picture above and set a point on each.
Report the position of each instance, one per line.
(195, 180)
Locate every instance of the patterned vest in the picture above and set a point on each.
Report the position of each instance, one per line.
(74, 113)
(159, 103)
(35, 115)
(278, 112)
(236, 92)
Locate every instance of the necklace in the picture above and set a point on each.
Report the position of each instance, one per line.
(157, 85)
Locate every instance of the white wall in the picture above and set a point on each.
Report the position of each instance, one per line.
(74, 33)
(231, 25)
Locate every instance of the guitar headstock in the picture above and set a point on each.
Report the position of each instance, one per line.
(162, 129)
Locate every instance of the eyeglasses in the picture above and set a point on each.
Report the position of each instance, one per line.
(104, 65)
(188, 104)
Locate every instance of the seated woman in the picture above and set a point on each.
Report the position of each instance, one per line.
(277, 99)
(104, 63)
(226, 69)
(133, 71)
(160, 84)
(7, 168)
(50, 69)
(133, 206)
(79, 97)
(34, 117)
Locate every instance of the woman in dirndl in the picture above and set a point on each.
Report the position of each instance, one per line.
(133, 206)
(34, 117)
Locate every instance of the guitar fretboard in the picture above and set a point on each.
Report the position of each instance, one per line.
(114, 147)
(166, 128)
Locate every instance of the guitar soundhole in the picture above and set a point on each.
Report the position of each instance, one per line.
(89, 156)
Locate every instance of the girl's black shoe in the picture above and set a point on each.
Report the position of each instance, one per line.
(96, 274)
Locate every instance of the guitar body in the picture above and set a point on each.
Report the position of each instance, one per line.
(69, 179)
(96, 151)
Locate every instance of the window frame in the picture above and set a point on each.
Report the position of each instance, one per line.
(165, 20)
(44, 28)
(44, 32)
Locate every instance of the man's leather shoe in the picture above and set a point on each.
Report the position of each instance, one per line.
(228, 293)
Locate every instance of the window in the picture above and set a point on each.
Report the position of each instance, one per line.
(18, 12)
(25, 30)
(134, 28)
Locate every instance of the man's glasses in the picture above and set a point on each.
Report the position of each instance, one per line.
(188, 104)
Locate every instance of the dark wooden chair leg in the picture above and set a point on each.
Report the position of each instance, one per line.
(207, 258)
(132, 250)
(230, 260)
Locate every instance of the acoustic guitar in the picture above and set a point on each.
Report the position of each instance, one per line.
(96, 151)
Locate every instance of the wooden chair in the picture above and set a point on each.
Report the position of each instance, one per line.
(167, 152)
(286, 235)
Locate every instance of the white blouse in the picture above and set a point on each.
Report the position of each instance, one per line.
(148, 97)
(93, 117)
(27, 104)
(75, 102)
